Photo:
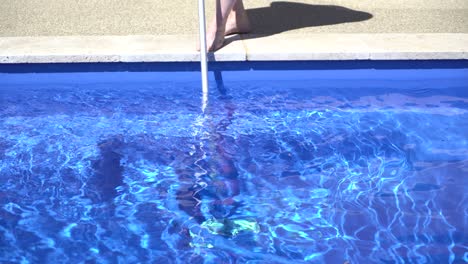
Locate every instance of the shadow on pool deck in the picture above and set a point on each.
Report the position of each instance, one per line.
(285, 16)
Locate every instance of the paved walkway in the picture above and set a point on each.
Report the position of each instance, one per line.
(174, 17)
(360, 27)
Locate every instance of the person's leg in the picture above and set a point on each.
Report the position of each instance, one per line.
(238, 21)
(217, 29)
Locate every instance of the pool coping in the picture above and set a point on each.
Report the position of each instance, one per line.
(281, 47)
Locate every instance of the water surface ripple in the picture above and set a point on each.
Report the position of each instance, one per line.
(135, 173)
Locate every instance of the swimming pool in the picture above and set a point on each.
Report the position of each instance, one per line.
(310, 162)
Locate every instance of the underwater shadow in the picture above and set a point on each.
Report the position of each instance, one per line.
(285, 16)
(108, 171)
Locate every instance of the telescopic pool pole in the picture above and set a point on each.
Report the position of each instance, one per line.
(203, 55)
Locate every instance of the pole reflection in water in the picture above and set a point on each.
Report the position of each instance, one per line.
(211, 200)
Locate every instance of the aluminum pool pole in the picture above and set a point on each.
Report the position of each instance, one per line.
(203, 55)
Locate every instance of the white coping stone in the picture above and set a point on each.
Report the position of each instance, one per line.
(75, 49)
(357, 47)
(181, 48)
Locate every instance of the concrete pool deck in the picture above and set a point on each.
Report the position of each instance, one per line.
(40, 31)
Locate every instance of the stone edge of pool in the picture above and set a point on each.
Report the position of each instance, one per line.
(285, 47)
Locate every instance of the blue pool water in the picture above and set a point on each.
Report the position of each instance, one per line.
(296, 165)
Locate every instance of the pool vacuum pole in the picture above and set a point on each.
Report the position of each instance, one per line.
(203, 56)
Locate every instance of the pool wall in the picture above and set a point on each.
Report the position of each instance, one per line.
(312, 73)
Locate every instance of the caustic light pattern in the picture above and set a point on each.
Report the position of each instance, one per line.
(136, 173)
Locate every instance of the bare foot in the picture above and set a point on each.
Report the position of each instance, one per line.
(237, 23)
(214, 39)
(230, 18)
